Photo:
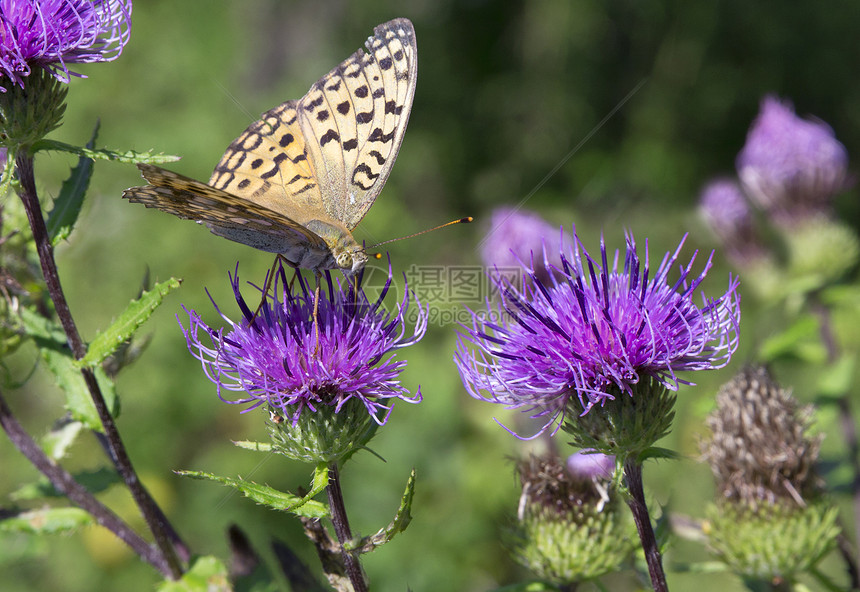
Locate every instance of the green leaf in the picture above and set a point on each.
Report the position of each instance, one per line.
(267, 496)
(78, 400)
(658, 453)
(839, 377)
(46, 521)
(401, 520)
(7, 173)
(121, 330)
(62, 435)
(94, 481)
(40, 327)
(68, 204)
(255, 446)
(799, 341)
(207, 574)
(130, 156)
(528, 587)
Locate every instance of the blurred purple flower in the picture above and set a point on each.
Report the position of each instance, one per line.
(50, 34)
(518, 237)
(791, 167)
(272, 356)
(594, 332)
(590, 465)
(726, 211)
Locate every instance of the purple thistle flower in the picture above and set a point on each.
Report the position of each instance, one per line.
(272, 357)
(595, 332)
(519, 237)
(49, 34)
(791, 167)
(590, 465)
(726, 211)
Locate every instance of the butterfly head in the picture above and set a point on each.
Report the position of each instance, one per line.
(350, 259)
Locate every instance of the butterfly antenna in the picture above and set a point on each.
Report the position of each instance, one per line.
(465, 220)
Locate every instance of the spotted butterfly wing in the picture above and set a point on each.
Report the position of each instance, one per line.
(297, 181)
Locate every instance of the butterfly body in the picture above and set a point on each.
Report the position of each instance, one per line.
(298, 181)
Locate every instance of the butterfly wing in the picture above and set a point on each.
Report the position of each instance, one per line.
(226, 215)
(268, 164)
(353, 120)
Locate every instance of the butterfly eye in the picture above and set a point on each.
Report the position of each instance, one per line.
(344, 260)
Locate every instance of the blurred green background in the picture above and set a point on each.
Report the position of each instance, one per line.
(505, 91)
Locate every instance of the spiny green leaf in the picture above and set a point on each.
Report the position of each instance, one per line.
(40, 327)
(68, 204)
(121, 330)
(207, 574)
(265, 495)
(78, 401)
(129, 156)
(401, 520)
(46, 521)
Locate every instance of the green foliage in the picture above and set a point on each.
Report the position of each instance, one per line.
(68, 204)
(268, 496)
(207, 574)
(122, 329)
(47, 521)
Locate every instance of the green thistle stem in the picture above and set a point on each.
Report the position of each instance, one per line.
(633, 479)
(155, 518)
(342, 530)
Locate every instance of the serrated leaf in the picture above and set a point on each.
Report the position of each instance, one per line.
(40, 327)
(129, 156)
(121, 330)
(401, 520)
(265, 495)
(207, 574)
(47, 521)
(7, 172)
(62, 435)
(68, 374)
(68, 204)
(251, 445)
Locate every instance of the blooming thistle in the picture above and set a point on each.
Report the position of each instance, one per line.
(50, 34)
(791, 167)
(725, 210)
(516, 237)
(335, 393)
(596, 334)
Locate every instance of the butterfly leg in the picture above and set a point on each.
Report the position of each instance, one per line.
(316, 311)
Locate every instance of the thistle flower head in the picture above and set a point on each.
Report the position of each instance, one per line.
(570, 526)
(594, 332)
(272, 358)
(50, 34)
(772, 519)
(791, 167)
(725, 210)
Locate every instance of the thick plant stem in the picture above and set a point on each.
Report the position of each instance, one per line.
(153, 515)
(633, 479)
(78, 494)
(342, 530)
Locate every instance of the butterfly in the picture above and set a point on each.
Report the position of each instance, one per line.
(300, 179)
